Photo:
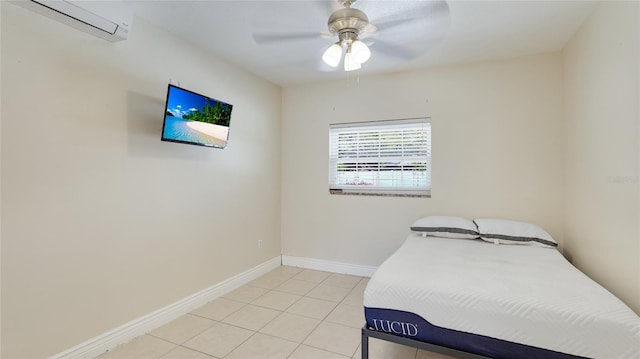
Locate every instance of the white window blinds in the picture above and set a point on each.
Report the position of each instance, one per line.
(382, 157)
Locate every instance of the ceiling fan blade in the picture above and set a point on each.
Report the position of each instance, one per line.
(275, 37)
(392, 50)
(389, 24)
(432, 12)
(437, 8)
(328, 6)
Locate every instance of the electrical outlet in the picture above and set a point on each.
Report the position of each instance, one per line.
(260, 243)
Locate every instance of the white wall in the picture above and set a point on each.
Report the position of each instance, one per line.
(496, 140)
(0, 202)
(101, 221)
(602, 149)
(93, 238)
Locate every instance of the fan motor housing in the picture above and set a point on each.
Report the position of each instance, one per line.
(347, 19)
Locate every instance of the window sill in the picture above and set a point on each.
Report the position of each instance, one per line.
(379, 194)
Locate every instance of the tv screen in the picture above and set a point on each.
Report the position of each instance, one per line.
(195, 119)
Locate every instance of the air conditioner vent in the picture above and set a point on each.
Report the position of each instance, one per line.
(109, 20)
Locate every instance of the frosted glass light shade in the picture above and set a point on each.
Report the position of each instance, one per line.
(360, 51)
(332, 55)
(350, 62)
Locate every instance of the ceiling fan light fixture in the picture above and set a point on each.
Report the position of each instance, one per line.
(332, 55)
(360, 51)
(350, 62)
(347, 23)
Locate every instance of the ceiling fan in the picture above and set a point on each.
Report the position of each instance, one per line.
(351, 25)
(347, 23)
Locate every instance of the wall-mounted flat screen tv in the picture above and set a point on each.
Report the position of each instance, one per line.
(195, 119)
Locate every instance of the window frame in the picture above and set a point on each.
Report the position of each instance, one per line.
(424, 157)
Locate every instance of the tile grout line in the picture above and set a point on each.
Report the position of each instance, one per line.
(267, 323)
(279, 278)
(198, 351)
(256, 331)
(164, 340)
(193, 336)
(325, 318)
(238, 346)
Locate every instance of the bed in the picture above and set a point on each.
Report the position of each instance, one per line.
(472, 299)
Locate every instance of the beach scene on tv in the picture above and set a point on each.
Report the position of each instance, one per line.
(196, 119)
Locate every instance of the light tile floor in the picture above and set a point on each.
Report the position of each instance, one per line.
(288, 313)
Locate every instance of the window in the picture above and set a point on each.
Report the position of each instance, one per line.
(381, 158)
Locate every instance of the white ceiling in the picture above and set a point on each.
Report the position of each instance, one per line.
(426, 33)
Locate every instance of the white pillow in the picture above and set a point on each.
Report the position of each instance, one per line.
(502, 231)
(446, 226)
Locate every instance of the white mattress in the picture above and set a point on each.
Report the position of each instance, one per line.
(522, 294)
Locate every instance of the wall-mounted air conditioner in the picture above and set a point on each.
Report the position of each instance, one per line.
(109, 20)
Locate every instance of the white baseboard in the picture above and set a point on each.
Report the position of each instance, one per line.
(124, 333)
(329, 266)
